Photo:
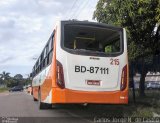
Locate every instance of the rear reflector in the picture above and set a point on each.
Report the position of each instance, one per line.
(124, 78)
(60, 75)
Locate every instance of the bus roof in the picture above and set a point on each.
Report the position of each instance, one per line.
(91, 23)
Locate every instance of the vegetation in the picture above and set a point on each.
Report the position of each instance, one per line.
(4, 78)
(139, 17)
(3, 89)
(7, 81)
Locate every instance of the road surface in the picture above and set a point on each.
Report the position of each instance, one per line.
(21, 107)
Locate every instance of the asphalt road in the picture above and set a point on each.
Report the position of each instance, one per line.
(21, 105)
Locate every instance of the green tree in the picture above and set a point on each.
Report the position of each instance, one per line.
(12, 82)
(5, 76)
(139, 17)
(1, 81)
(28, 81)
(18, 77)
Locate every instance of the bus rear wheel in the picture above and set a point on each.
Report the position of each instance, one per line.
(34, 99)
(42, 105)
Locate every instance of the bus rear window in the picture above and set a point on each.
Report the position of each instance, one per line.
(92, 39)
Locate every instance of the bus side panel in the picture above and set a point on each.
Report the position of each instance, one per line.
(47, 80)
(50, 80)
(43, 83)
(46, 88)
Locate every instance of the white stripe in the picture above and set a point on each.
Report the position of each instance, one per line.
(48, 98)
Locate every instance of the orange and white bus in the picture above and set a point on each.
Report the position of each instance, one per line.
(82, 62)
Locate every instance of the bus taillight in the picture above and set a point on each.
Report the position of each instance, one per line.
(60, 75)
(124, 78)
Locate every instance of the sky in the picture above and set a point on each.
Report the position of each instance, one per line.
(26, 25)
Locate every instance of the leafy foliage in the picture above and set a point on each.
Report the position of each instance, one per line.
(139, 17)
(18, 77)
(5, 76)
(6, 79)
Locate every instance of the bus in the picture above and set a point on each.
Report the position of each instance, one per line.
(82, 63)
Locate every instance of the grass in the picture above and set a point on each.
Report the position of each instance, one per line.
(145, 106)
(3, 90)
(148, 104)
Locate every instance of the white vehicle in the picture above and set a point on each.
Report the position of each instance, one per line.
(153, 85)
(82, 62)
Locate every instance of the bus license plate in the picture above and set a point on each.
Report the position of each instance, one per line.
(93, 82)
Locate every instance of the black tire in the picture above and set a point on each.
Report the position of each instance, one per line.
(41, 104)
(34, 99)
(49, 106)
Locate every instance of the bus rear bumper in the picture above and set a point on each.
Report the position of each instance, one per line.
(72, 96)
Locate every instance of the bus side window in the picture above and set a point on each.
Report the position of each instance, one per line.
(36, 71)
(50, 53)
(43, 58)
(39, 65)
(46, 55)
(52, 42)
(41, 61)
(47, 59)
(50, 56)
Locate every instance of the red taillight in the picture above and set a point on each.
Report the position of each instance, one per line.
(124, 78)
(60, 75)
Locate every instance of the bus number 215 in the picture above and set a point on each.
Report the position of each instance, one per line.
(114, 61)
